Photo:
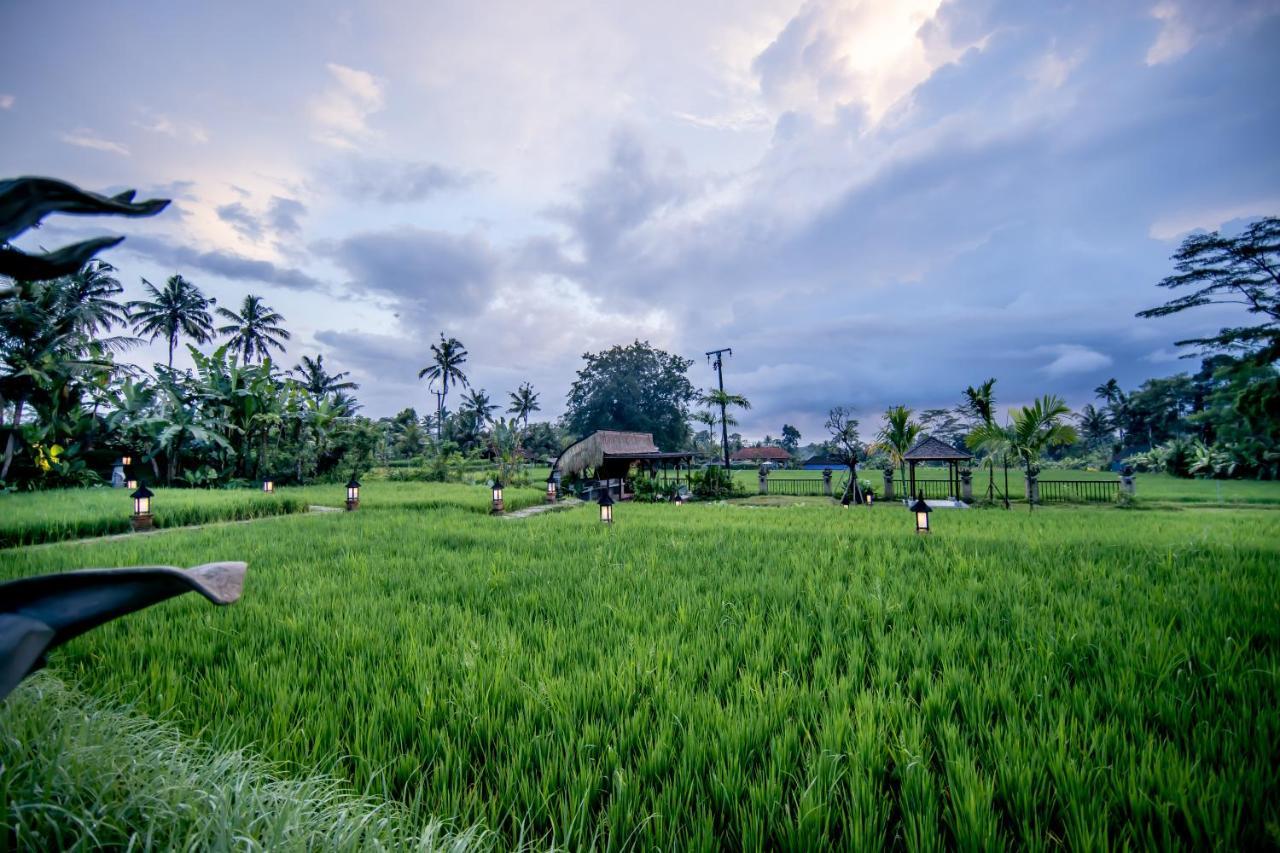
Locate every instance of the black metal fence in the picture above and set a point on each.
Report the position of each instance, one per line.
(796, 486)
(1082, 491)
(936, 490)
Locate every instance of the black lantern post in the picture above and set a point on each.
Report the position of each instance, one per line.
(496, 509)
(870, 497)
(268, 486)
(141, 519)
(606, 506)
(921, 511)
(551, 488)
(353, 494)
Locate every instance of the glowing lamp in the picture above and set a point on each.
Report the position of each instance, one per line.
(131, 484)
(126, 460)
(497, 498)
(606, 507)
(870, 498)
(268, 486)
(142, 508)
(551, 489)
(921, 511)
(353, 494)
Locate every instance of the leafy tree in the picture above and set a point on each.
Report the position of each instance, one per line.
(898, 435)
(524, 402)
(254, 330)
(1243, 270)
(944, 425)
(448, 356)
(92, 291)
(790, 438)
(318, 381)
(177, 309)
(635, 387)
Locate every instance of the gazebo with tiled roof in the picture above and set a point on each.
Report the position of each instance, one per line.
(929, 449)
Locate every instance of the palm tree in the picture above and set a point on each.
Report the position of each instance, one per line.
(447, 358)
(91, 291)
(320, 383)
(477, 403)
(723, 399)
(897, 436)
(1117, 405)
(524, 402)
(1094, 425)
(1033, 430)
(254, 329)
(179, 309)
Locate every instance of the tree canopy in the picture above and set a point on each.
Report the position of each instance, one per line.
(636, 387)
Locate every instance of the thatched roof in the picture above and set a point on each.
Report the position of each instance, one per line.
(929, 449)
(590, 451)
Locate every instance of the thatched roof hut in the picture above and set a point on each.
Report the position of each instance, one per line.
(610, 454)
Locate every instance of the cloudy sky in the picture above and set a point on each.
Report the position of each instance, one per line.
(871, 201)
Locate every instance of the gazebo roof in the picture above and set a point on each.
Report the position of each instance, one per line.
(929, 449)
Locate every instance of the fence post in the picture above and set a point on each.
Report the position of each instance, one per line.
(1127, 483)
(966, 485)
(764, 480)
(888, 484)
(826, 481)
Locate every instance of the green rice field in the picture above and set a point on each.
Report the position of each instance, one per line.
(722, 675)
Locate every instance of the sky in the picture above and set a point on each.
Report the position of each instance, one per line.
(873, 202)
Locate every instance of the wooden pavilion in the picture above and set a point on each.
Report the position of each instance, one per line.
(929, 449)
(607, 457)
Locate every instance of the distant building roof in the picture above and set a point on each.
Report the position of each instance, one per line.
(775, 454)
(829, 461)
(929, 449)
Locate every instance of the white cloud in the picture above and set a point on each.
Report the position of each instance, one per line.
(1175, 37)
(178, 130)
(1178, 225)
(1072, 358)
(833, 53)
(342, 111)
(6, 102)
(84, 138)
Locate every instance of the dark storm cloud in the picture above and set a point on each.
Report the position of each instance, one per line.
(399, 182)
(224, 264)
(429, 276)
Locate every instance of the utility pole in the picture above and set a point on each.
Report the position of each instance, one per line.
(439, 412)
(718, 355)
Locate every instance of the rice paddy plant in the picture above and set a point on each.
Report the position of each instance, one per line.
(711, 676)
(80, 774)
(28, 519)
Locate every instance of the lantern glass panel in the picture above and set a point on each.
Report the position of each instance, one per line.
(353, 493)
(126, 460)
(606, 514)
(268, 486)
(922, 522)
(131, 484)
(142, 506)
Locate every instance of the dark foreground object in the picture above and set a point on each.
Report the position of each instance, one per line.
(43, 612)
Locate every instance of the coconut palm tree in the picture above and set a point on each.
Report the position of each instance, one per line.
(447, 358)
(319, 382)
(1117, 405)
(177, 309)
(723, 399)
(1095, 426)
(1039, 427)
(91, 292)
(524, 402)
(254, 329)
(897, 436)
(477, 403)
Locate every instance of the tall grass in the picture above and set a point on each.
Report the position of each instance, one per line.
(79, 774)
(28, 519)
(714, 676)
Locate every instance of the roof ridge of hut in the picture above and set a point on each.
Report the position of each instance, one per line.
(930, 449)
